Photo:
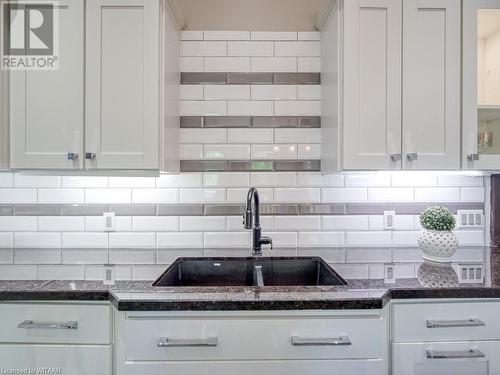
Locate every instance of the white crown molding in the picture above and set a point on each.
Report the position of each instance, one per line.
(176, 11)
(324, 14)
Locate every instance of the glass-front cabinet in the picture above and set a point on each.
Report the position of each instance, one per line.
(481, 84)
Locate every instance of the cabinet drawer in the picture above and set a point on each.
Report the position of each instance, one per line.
(201, 338)
(446, 358)
(445, 321)
(55, 359)
(55, 323)
(329, 367)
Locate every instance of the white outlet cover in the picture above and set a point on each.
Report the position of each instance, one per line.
(389, 220)
(109, 221)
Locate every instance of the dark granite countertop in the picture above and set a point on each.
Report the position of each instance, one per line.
(433, 281)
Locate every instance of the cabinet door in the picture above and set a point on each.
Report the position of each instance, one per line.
(481, 84)
(372, 84)
(431, 84)
(55, 359)
(122, 84)
(4, 142)
(46, 107)
(459, 358)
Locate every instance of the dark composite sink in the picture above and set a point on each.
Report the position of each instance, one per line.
(286, 271)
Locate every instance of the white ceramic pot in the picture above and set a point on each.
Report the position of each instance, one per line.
(437, 246)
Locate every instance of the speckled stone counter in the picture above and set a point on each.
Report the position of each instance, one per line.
(433, 281)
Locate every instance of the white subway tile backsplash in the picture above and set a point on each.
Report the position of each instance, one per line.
(227, 35)
(317, 179)
(437, 195)
(250, 108)
(470, 237)
(298, 108)
(226, 64)
(202, 195)
(380, 195)
(37, 240)
(191, 92)
(297, 135)
(240, 195)
(180, 180)
(309, 35)
(250, 135)
(18, 195)
(96, 224)
(179, 240)
(167, 256)
(143, 273)
(344, 195)
(270, 179)
(352, 271)
(321, 239)
(155, 223)
(227, 239)
(108, 196)
(60, 224)
(472, 194)
(297, 195)
(16, 272)
(347, 222)
(87, 240)
(84, 182)
(202, 223)
(309, 151)
(273, 64)
(309, 64)
(276, 151)
(250, 48)
(191, 152)
(22, 180)
(227, 92)
(372, 239)
(163, 195)
(6, 179)
(404, 238)
(226, 179)
(226, 152)
(376, 222)
(404, 222)
(202, 108)
(65, 272)
(37, 256)
(414, 179)
(309, 92)
(85, 256)
(96, 272)
(235, 223)
(191, 35)
(274, 92)
(311, 49)
(281, 239)
(131, 256)
(297, 223)
(125, 240)
(137, 182)
(18, 224)
(458, 180)
(274, 35)
(6, 256)
(191, 64)
(6, 240)
(368, 255)
(53, 196)
(374, 179)
(203, 48)
(199, 136)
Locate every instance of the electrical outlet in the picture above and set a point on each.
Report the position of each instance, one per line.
(108, 275)
(470, 218)
(389, 217)
(470, 273)
(389, 274)
(109, 221)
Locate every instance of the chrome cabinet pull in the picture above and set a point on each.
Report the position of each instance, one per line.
(455, 354)
(165, 342)
(454, 323)
(473, 157)
(334, 341)
(30, 324)
(396, 157)
(72, 156)
(412, 156)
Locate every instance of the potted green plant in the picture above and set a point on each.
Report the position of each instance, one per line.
(437, 239)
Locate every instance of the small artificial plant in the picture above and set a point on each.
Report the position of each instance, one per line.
(437, 218)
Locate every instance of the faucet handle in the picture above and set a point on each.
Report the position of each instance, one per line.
(266, 241)
(247, 219)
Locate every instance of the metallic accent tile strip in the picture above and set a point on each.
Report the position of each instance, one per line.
(251, 78)
(322, 209)
(223, 209)
(6, 210)
(198, 122)
(301, 165)
(180, 210)
(133, 209)
(250, 166)
(367, 209)
(84, 210)
(203, 166)
(37, 210)
(416, 208)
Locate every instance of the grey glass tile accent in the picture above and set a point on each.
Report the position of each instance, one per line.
(203, 166)
(203, 78)
(250, 78)
(133, 209)
(275, 121)
(245, 166)
(6, 210)
(179, 209)
(297, 78)
(279, 209)
(300, 165)
(191, 122)
(416, 208)
(84, 210)
(37, 210)
(322, 209)
(310, 122)
(368, 208)
(227, 121)
(223, 209)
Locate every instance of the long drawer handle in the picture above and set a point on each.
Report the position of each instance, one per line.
(165, 342)
(334, 341)
(454, 323)
(30, 324)
(455, 354)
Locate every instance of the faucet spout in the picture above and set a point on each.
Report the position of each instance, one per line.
(251, 220)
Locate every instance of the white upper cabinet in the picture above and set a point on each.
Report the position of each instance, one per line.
(431, 84)
(47, 107)
(372, 84)
(123, 84)
(481, 84)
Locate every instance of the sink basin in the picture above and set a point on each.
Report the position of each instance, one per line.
(282, 271)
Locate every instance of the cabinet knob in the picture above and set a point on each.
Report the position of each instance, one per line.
(395, 157)
(412, 156)
(72, 156)
(473, 157)
(89, 156)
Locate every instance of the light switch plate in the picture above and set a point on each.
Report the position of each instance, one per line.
(389, 274)
(109, 222)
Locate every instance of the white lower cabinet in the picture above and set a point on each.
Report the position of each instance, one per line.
(55, 359)
(447, 358)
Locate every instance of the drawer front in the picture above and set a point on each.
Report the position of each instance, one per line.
(254, 338)
(329, 367)
(55, 323)
(446, 321)
(55, 359)
(452, 358)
